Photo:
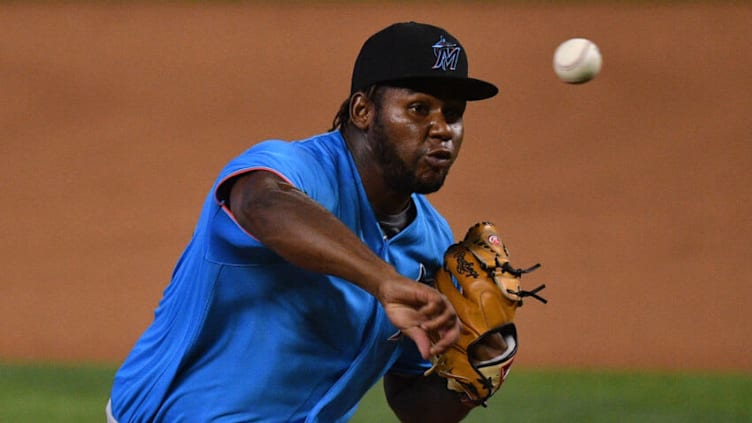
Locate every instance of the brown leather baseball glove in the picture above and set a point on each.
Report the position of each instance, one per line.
(485, 291)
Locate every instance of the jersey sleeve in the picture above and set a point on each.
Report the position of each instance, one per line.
(296, 165)
(229, 242)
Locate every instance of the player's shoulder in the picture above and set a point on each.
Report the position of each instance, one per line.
(317, 145)
(330, 143)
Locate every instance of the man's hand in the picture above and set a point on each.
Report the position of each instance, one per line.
(421, 313)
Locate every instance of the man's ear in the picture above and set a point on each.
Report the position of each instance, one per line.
(361, 110)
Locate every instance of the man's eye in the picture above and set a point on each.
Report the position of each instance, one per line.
(419, 108)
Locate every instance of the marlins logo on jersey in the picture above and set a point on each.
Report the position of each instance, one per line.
(423, 276)
(447, 54)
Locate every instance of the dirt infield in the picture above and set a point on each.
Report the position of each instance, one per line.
(633, 190)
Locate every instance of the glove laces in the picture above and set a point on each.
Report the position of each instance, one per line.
(518, 273)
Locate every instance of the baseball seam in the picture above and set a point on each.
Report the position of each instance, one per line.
(578, 60)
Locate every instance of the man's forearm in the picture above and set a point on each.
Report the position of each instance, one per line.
(272, 210)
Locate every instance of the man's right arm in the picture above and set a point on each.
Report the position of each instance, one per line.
(307, 235)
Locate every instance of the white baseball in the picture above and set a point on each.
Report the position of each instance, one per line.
(577, 60)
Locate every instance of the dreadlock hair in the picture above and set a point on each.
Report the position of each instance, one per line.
(342, 118)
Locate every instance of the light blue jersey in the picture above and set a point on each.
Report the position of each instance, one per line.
(242, 336)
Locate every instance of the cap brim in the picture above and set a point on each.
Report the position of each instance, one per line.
(468, 89)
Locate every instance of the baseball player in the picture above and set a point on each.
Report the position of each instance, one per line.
(305, 281)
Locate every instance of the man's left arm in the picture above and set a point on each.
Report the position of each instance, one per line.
(418, 398)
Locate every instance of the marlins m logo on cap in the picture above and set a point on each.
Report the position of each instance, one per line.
(447, 54)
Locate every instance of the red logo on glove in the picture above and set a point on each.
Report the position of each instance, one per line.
(504, 370)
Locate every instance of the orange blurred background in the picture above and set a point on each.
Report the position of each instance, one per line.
(633, 190)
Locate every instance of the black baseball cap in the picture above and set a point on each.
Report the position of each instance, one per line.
(417, 55)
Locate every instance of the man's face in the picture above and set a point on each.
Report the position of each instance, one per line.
(416, 138)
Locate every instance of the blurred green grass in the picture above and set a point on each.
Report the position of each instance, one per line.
(604, 396)
(64, 393)
(54, 393)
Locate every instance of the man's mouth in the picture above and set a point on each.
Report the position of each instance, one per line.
(439, 158)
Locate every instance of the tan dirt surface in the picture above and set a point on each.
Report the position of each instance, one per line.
(632, 190)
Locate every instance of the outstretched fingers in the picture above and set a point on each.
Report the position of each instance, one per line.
(423, 314)
(435, 335)
(443, 327)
